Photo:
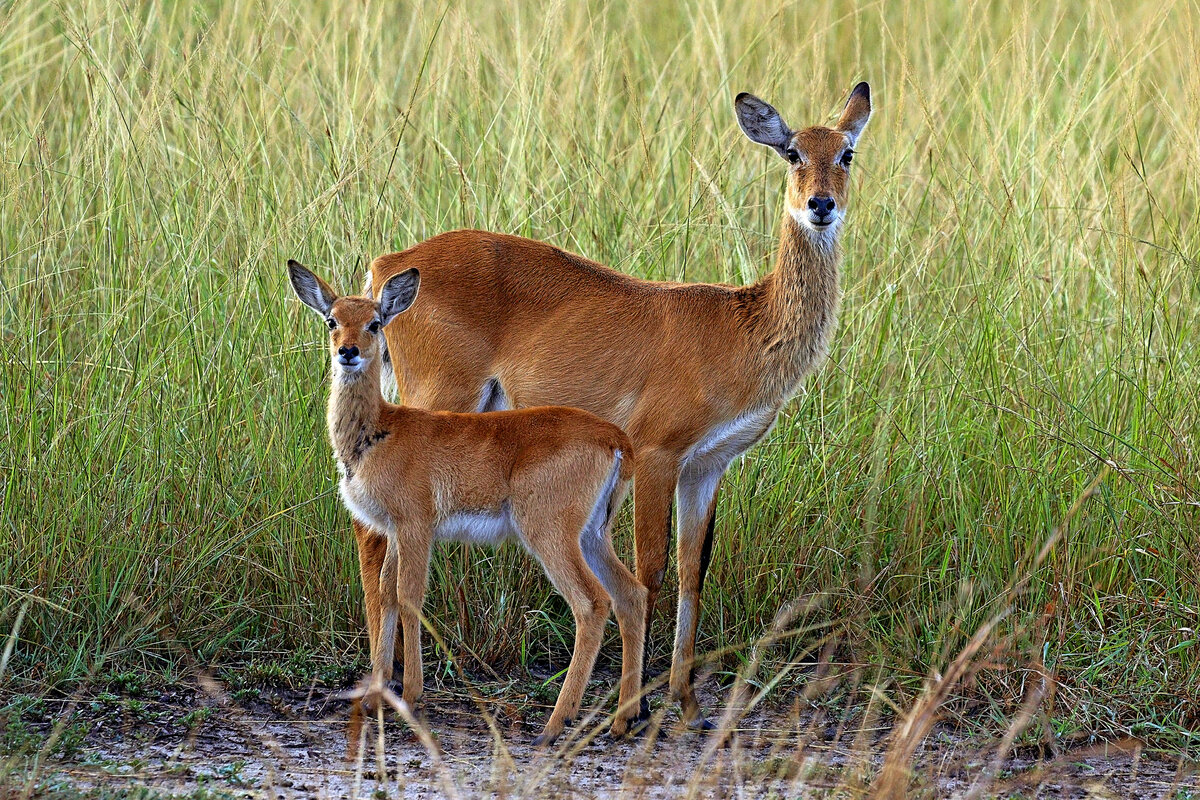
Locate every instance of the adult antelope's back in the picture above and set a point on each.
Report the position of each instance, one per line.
(695, 373)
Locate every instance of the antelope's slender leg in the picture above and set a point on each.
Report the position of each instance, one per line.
(629, 603)
(653, 488)
(412, 577)
(589, 607)
(389, 605)
(628, 598)
(371, 548)
(697, 502)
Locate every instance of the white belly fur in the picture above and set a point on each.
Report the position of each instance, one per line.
(476, 527)
(704, 464)
(722, 443)
(471, 527)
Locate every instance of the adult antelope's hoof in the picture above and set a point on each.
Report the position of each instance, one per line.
(544, 739)
(700, 724)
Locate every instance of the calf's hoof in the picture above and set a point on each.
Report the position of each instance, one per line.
(620, 728)
(553, 731)
(629, 728)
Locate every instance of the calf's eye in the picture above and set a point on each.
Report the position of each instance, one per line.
(332, 323)
(374, 327)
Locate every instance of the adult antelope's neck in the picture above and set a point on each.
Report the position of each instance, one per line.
(353, 414)
(800, 300)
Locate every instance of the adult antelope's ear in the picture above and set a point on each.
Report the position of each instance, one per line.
(857, 112)
(398, 294)
(761, 122)
(312, 291)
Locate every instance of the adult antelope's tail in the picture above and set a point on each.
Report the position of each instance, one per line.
(387, 380)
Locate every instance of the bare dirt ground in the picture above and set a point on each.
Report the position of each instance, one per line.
(291, 744)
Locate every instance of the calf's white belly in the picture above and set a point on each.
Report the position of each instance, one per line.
(472, 527)
(476, 527)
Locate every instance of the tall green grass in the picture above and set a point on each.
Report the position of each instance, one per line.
(1021, 312)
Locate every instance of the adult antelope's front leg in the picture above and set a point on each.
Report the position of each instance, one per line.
(696, 500)
(653, 486)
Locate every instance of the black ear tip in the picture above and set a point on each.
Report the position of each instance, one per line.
(741, 98)
(864, 89)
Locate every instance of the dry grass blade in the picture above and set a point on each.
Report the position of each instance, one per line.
(894, 778)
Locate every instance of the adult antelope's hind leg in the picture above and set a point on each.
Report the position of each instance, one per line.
(697, 502)
(656, 472)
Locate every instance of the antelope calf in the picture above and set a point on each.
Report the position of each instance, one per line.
(551, 477)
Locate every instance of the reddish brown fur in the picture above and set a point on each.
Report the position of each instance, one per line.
(411, 472)
(677, 366)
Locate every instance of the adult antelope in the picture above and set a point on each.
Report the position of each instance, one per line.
(695, 373)
(551, 477)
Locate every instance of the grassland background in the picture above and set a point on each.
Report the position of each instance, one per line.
(1022, 302)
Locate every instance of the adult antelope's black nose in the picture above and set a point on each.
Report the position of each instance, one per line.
(821, 205)
(348, 352)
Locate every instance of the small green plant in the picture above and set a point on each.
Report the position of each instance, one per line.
(138, 709)
(246, 694)
(18, 738)
(196, 717)
(103, 701)
(232, 773)
(129, 683)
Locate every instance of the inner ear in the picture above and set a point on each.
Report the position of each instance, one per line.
(398, 294)
(310, 289)
(761, 123)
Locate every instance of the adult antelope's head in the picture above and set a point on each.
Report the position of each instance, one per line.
(355, 323)
(820, 157)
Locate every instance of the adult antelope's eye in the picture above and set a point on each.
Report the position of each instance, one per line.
(374, 327)
(847, 157)
(793, 155)
(332, 323)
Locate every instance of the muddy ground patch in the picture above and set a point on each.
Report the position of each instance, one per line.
(277, 743)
